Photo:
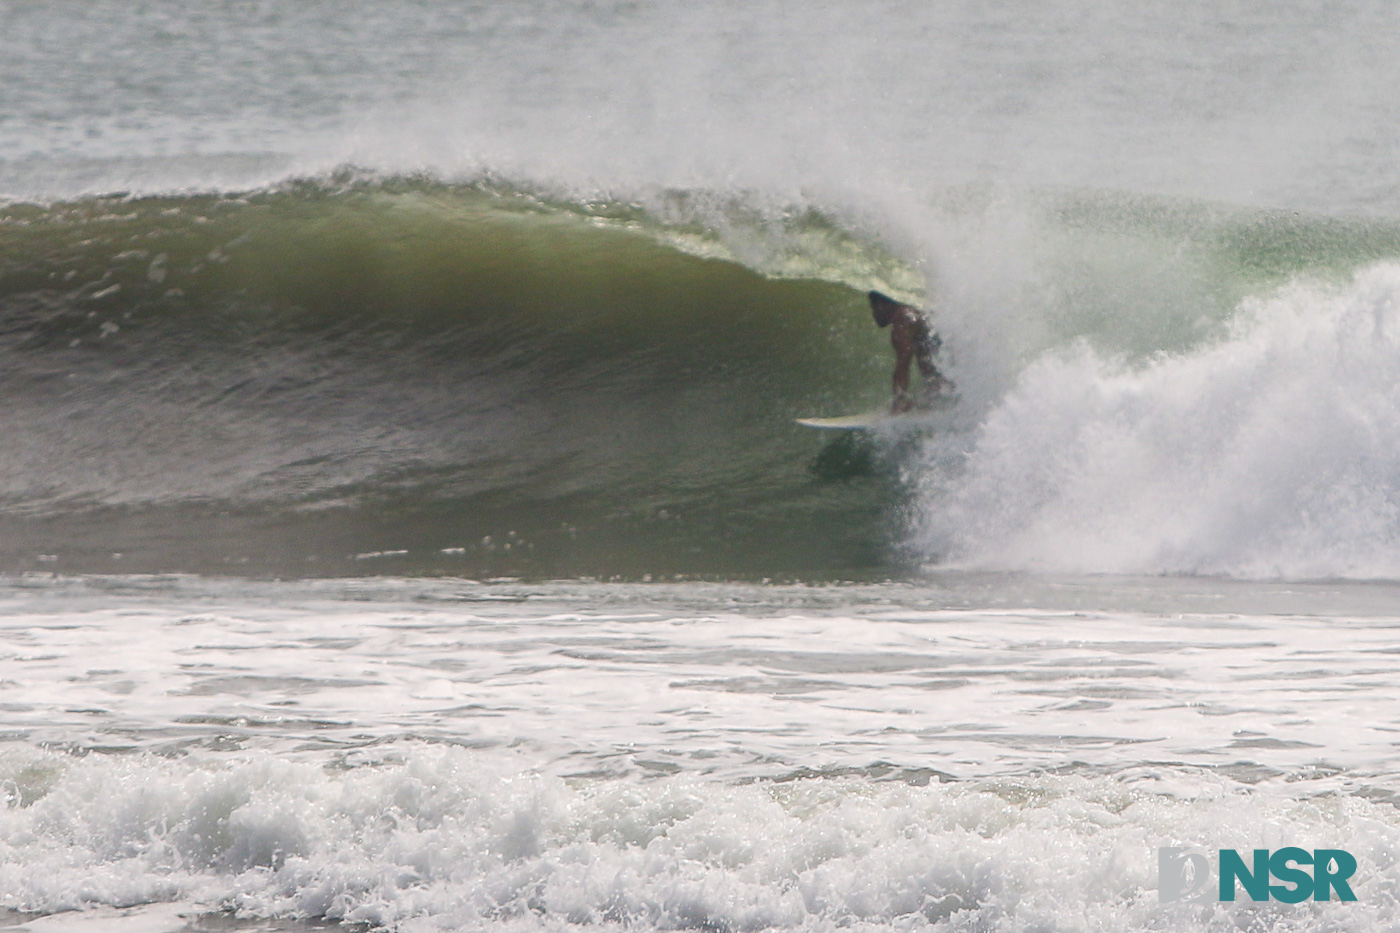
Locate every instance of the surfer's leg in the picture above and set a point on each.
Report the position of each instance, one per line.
(935, 382)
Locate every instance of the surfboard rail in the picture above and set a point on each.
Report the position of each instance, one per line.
(880, 418)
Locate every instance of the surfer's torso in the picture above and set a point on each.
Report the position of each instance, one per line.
(910, 334)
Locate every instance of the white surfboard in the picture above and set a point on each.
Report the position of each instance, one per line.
(881, 419)
(861, 422)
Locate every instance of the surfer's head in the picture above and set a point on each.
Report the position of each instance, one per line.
(883, 308)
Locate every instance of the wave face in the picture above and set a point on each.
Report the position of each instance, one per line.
(433, 376)
(370, 374)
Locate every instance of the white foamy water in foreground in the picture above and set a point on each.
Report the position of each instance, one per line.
(976, 753)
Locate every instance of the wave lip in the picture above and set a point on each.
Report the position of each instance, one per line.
(1273, 452)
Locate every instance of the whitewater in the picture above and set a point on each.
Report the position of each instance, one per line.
(403, 522)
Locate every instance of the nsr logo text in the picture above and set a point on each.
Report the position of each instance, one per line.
(1183, 876)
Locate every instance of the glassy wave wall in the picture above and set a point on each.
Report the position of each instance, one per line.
(413, 377)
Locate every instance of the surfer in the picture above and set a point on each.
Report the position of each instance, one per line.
(913, 341)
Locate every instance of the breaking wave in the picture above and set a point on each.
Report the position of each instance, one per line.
(365, 374)
(1271, 452)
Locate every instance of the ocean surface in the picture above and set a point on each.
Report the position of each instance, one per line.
(403, 522)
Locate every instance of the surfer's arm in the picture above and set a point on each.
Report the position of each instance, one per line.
(902, 402)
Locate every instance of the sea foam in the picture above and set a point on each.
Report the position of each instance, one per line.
(1273, 451)
(429, 838)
